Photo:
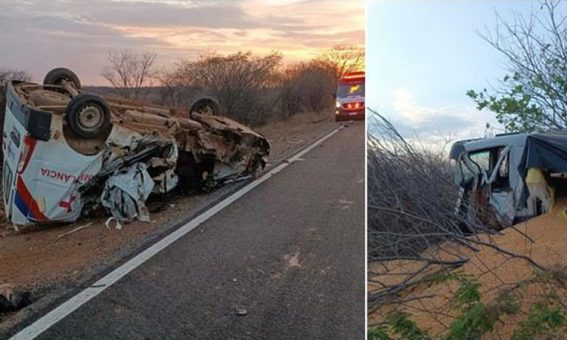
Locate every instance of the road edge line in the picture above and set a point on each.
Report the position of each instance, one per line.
(58, 313)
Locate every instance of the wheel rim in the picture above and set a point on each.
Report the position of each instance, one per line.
(62, 79)
(90, 118)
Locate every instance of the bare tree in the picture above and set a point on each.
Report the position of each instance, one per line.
(7, 74)
(533, 95)
(129, 71)
(342, 59)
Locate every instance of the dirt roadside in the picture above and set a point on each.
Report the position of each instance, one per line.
(42, 261)
(432, 305)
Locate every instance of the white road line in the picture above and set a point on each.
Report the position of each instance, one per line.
(57, 314)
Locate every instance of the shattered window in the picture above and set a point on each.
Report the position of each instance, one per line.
(464, 174)
(482, 159)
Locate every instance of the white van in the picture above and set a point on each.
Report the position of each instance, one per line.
(62, 145)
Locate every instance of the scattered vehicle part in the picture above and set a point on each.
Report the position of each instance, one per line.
(124, 194)
(62, 145)
(108, 223)
(10, 300)
(511, 177)
(349, 100)
(74, 230)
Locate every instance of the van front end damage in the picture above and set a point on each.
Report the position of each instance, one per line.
(68, 153)
(509, 178)
(488, 183)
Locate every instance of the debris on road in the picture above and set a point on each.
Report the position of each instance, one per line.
(65, 263)
(109, 225)
(69, 153)
(74, 230)
(10, 300)
(241, 312)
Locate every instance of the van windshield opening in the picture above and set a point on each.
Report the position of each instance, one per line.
(480, 163)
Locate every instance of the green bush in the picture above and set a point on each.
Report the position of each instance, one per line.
(476, 319)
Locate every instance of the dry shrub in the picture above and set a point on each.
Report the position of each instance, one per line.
(413, 227)
(255, 89)
(411, 196)
(241, 82)
(306, 87)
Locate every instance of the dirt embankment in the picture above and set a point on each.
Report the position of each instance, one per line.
(40, 259)
(542, 239)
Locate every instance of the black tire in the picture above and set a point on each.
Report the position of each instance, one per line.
(205, 105)
(57, 75)
(88, 115)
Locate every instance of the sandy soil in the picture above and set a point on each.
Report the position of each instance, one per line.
(497, 273)
(38, 259)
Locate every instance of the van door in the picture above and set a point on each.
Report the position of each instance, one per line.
(501, 193)
(12, 142)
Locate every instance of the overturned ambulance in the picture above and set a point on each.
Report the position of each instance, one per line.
(68, 152)
(511, 177)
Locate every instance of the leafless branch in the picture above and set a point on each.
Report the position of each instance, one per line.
(129, 71)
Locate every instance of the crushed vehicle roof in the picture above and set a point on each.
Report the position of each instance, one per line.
(513, 139)
(75, 143)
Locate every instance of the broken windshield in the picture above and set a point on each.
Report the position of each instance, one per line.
(472, 164)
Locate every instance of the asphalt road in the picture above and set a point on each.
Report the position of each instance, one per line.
(289, 255)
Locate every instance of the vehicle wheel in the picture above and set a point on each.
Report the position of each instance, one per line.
(57, 75)
(88, 115)
(206, 106)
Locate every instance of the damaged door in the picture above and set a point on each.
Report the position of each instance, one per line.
(486, 193)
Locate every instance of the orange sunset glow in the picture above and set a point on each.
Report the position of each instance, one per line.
(80, 34)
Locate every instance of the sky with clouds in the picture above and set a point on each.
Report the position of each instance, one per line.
(38, 35)
(423, 56)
